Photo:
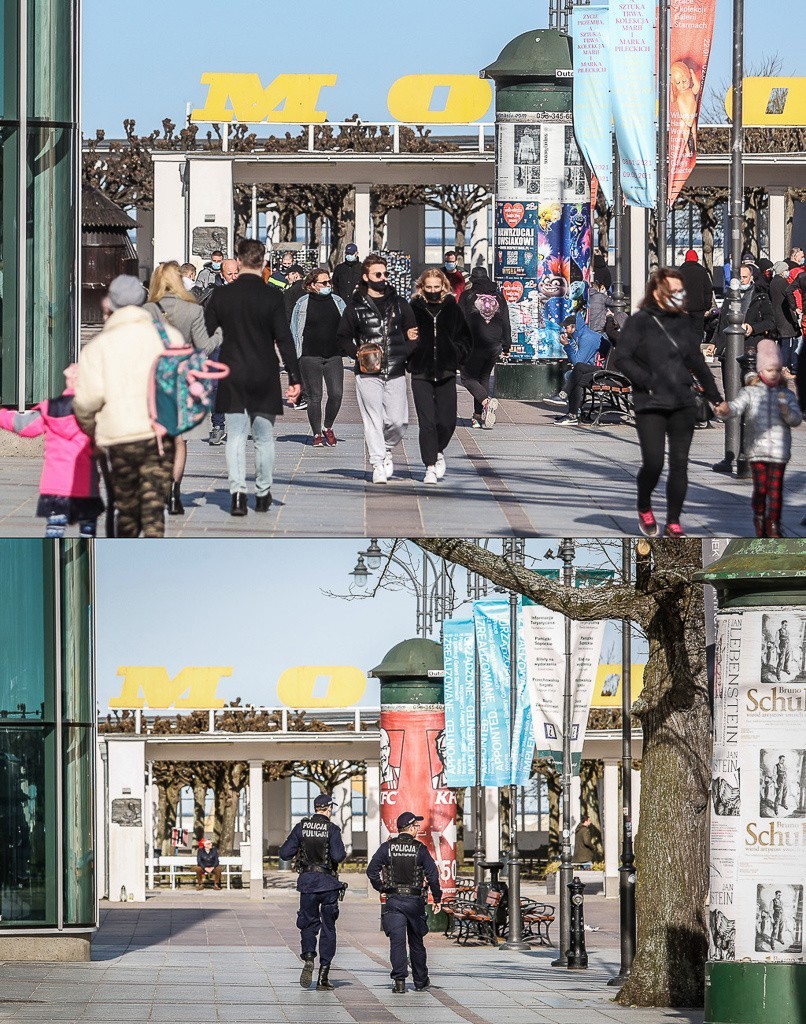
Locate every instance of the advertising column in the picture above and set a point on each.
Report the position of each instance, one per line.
(412, 751)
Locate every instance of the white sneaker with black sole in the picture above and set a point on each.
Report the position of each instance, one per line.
(568, 421)
(559, 399)
(488, 416)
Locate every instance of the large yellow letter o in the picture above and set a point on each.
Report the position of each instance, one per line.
(344, 686)
(410, 98)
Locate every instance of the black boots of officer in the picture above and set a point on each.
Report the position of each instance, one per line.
(306, 976)
(399, 987)
(323, 983)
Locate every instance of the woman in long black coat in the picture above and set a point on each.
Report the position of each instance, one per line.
(444, 342)
(659, 351)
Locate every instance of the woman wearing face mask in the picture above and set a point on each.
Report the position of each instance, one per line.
(314, 324)
(444, 342)
(659, 352)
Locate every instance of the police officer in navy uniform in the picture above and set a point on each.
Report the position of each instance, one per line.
(316, 845)
(402, 869)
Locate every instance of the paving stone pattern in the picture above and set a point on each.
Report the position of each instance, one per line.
(526, 476)
(220, 957)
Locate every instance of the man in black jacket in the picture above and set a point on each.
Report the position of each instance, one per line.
(347, 274)
(316, 846)
(207, 864)
(400, 869)
(699, 290)
(254, 325)
(785, 314)
(376, 316)
(757, 319)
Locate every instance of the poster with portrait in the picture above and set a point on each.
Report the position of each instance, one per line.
(412, 768)
(758, 787)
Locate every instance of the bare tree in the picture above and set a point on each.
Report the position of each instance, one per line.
(460, 202)
(672, 876)
(712, 110)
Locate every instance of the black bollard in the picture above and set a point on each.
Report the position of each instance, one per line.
(577, 955)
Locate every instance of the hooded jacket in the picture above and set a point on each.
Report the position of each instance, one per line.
(784, 310)
(660, 369)
(362, 322)
(767, 427)
(488, 321)
(111, 399)
(699, 286)
(69, 470)
(444, 341)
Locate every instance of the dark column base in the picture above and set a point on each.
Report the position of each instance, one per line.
(529, 382)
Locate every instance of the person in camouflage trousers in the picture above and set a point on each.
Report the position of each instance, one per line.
(142, 478)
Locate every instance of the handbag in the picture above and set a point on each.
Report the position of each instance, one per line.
(698, 393)
(369, 357)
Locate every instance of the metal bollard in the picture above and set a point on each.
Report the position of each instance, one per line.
(577, 955)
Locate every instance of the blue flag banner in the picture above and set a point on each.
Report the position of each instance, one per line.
(459, 656)
(633, 91)
(593, 114)
(503, 762)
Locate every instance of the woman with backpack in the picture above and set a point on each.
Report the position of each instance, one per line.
(171, 302)
(659, 352)
(314, 325)
(487, 316)
(442, 346)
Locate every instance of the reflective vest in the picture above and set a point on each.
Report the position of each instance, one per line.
(403, 876)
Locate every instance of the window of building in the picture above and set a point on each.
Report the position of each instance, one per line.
(303, 794)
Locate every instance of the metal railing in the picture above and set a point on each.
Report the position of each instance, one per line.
(270, 719)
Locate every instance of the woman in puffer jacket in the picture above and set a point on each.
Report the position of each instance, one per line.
(770, 410)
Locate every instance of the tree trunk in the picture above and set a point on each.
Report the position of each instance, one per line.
(288, 225)
(789, 210)
(166, 814)
(589, 775)
(707, 226)
(603, 214)
(554, 787)
(199, 801)
(460, 224)
(378, 228)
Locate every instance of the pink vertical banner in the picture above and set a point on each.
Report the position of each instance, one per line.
(692, 23)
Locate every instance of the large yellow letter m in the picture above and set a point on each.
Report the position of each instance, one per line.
(194, 687)
(287, 99)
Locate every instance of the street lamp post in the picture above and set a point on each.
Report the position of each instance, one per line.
(479, 851)
(662, 212)
(619, 299)
(626, 887)
(566, 553)
(514, 551)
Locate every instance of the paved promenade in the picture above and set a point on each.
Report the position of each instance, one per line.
(526, 476)
(221, 957)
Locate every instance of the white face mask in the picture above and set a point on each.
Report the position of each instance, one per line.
(350, 257)
(677, 299)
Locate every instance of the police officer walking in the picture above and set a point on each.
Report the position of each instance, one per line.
(316, 846)
(402, 869)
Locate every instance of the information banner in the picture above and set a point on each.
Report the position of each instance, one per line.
(459, 655)
(544, 639)
(542, 228)
(758, 789)
(504, 763)
(692, 23)
(633, 91)
(593, 113)
(413, 779)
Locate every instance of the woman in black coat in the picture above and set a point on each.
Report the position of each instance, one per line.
(659, 351)
(444, 342)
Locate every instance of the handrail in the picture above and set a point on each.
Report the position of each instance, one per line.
(352, 718)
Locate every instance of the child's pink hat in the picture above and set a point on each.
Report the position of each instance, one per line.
(768, 356)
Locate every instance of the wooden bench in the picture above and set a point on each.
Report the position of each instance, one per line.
(537, 918)
(474, 915)
(606, 392)
(179, 867)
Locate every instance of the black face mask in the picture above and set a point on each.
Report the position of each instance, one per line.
(433, 296)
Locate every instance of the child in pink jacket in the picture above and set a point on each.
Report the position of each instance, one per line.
(69, 487)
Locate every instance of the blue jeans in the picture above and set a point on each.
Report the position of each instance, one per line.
(237, 426)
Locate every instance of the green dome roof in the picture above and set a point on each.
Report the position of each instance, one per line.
(411, 659)
(539, 53)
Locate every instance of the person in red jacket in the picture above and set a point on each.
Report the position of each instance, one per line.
(69, 486)
(454, 273)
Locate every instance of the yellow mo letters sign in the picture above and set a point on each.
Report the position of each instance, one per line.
(771, 101)
(288, 99)
(339, 686)
(410, 98)
(194, 687)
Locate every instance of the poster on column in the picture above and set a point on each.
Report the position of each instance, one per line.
(459, 660)
(593, 115)
(692, 23)
(633, 51)
(412, 763)
(509, 763)
(542, 228)
(765, 724)
(544, 640)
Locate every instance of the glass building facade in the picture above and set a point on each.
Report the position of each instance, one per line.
(47, 701)
(40, 204)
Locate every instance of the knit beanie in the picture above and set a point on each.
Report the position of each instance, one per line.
(768, 356)
(126, 290)
(781, 267)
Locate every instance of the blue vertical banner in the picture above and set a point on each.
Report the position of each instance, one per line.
(633, 90)
(459, 657)
(505, 761)
(593, 113)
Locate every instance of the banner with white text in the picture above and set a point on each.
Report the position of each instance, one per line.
(593, 113)
(459, 657)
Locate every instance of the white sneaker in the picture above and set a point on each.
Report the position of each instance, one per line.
(488, 416)
(388, 466)
(379, 475)
(440, 466)
(430, 475)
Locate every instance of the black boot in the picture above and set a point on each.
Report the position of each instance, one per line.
(323, 984)
(399, 987)
(175, 507)
(306, 975)
(238, 507)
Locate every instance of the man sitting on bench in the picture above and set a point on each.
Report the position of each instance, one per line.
(207, 864)
(582, 345)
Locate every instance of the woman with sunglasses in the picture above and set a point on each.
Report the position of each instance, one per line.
(314, 325)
